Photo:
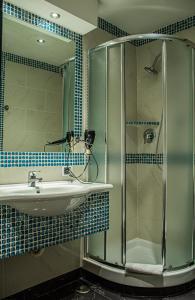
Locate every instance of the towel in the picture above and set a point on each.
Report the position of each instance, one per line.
(144, 268)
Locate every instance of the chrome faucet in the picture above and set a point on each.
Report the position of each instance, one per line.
(33, 179)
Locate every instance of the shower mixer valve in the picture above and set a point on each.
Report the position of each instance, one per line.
(149, 136)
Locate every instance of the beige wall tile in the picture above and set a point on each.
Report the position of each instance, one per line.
(131, 201)
(22, 272)
(35, 114)
(16, 73)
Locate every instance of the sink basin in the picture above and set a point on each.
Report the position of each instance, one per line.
(50, 198)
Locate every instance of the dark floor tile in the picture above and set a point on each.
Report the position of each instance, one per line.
(89, 296)
(188, 296)
(66, 289)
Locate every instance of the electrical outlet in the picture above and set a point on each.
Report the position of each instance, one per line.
(66, 171)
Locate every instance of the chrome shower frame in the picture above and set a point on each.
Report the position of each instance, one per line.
(122, 41)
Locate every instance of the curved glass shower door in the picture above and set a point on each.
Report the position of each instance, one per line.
(97, 121)
(178, 135)
(144, 168)
(147, 85)
(106, 116)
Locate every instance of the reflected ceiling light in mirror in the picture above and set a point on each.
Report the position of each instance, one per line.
(40, 41)
(54, 15)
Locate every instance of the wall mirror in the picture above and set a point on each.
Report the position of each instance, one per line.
(38, 87)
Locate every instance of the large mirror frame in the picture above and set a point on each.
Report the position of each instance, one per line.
(17, 159)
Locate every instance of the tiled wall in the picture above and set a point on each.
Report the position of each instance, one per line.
(33, 118)
(58, 30)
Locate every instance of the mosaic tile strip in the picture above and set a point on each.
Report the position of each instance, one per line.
(21, 233)
(35, 20)
(40, 159)
(110, 28)
(136, 123)
(2, 85)
(31, 62)
(151, 158)
(144, 158)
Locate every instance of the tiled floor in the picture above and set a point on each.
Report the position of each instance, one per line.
(99, 293)
(59, 289)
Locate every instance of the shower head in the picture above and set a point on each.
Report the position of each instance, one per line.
(151, 69)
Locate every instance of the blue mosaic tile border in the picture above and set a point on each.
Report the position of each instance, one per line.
(21, 233)
(40, 159)
(35, 20)
(31, 62)
(136, 123)
(110, 28)
(2, 91)
(144, 158)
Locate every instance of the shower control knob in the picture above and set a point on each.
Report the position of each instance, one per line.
(149, 135)
(6, 107)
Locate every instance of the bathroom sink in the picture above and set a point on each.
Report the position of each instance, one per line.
(48, 198)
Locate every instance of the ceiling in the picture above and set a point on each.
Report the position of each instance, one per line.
(133, 16)
(43, 8)
(21, 39)
(142, 16)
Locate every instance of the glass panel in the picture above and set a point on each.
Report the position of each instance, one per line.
(144, 200)
(114, 154)
(97, 121)
(179, 135)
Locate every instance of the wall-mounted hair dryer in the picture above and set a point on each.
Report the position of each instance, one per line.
(67, 139)
(89, 137)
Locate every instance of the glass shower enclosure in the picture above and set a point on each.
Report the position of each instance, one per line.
(141, 105)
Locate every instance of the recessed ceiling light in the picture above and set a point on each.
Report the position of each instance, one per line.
(54, 15)
(40, 41)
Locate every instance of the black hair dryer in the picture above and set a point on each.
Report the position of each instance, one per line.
(89, 137)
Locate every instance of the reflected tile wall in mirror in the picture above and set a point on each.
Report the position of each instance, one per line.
(39, 84)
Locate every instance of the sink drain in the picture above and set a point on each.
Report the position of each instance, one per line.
(83, 289)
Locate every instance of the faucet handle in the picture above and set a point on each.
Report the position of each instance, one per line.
(32, 174)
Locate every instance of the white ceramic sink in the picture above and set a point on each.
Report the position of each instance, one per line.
(50, 198)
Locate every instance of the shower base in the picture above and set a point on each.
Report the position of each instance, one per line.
(143, 252)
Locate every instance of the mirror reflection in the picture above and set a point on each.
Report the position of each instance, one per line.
(39, 74)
